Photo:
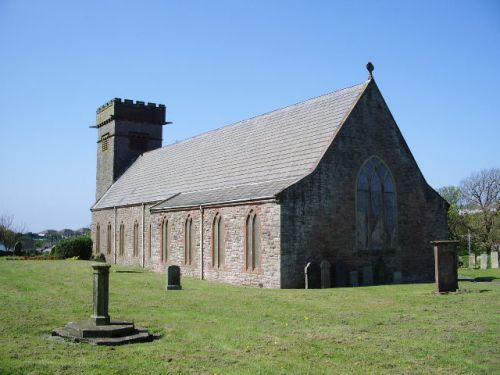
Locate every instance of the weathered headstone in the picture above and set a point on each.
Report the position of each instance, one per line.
(472, 261)
(312, 274)
(354, 278)
(380, 271)
(367, 275)
(100, 314)
(341, 275)
(326, 277)
(445, 263)
(494, 259)
(397, 277)
(174, 278)
(484, 261)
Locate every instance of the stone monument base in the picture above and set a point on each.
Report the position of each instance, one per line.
(117, 332)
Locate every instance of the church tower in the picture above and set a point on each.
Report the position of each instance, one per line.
(124, 131)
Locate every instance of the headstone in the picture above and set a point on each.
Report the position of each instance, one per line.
(312, 274)
(380, 271)
(341, 275)
(100, 314)
(326, 278)
(494, 259)
(445, 263)
(397, 277)
(367, 275)
(484, 261)
(174, 278)
(472, 261)
(353, 278)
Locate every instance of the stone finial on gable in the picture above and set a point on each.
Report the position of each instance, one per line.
(370, 69)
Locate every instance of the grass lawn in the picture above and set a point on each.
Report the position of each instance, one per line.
(211, 328)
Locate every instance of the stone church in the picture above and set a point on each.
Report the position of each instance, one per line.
(326, 181)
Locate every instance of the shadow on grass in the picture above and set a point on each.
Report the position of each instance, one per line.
(124, 271)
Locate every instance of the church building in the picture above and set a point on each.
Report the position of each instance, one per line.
(329, 181)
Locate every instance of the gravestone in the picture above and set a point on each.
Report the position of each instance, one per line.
(100, 329)
(484, 261)
(326, 277)
(494, 259)
(312, 274)
(341, 275)
(354, 278)
(472, 261)
(174, 278)
(397, 277)
(367, 275)
(380, 272)
(445, 265)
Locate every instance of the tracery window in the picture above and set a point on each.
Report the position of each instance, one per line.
(108, 242)
(164, 240)
(98, 239)
(375, 207)
(136, 240)
(218, 250)
(188, 241)
(121, 246)
(252, 237)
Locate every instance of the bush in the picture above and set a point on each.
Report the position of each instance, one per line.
(74, 247)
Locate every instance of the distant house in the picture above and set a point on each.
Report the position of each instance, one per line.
(328, 179)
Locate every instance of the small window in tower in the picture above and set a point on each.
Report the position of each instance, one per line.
(104, 142)
(138, 141)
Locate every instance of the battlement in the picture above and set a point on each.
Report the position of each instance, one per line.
(126, 109)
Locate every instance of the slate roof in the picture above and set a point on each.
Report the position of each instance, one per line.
(251, 159)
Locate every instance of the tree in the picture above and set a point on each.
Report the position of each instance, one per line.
(9, 233)
(480, 195)
(457, 224)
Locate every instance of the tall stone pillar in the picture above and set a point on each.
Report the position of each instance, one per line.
(100, 314)
(445, 262)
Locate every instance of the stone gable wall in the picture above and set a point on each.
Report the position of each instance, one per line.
(234, 217)
(319, 212)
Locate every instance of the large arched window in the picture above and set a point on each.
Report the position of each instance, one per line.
(108, 240)
(375, 207)
(252, 236)
(188, 241)
(121, 246)
(136, 239)
(98, 239)
(218, 254)
(164, 240)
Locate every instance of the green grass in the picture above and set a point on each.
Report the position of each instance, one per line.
(493, 274)
(211, 328)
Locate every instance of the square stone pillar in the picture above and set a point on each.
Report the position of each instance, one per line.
(494, 259)
(100, 314)
(446, 264)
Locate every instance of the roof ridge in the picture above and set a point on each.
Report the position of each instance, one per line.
(240, 122)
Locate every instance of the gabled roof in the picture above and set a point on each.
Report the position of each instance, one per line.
(251, 159)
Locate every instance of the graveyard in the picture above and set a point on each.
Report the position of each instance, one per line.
(214, 328)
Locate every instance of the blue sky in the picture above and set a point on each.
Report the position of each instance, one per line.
(212, 63)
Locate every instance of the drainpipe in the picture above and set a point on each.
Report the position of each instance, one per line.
(142, 237)
(114, 238)
(201, 242)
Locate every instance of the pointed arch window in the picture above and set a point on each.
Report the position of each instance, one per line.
(98, 239)
(252, 237)
(218, 250)
(375, 207)
(136, 239)
(108, 240)
(121, 246)
(165, 240)
(188, 241)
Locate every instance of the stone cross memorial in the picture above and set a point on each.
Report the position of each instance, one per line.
(445, 262)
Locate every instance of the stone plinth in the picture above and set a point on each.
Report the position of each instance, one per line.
(445, 262)
(100, 314)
